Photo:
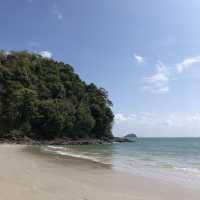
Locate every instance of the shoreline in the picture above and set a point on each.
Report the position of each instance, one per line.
(28, 173)
(63, 141)
(155, 174)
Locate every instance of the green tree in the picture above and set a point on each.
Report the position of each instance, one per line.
(43, 98)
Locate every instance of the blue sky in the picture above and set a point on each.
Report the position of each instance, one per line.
(145, 53)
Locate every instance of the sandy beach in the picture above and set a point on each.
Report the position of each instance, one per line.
(27, 173)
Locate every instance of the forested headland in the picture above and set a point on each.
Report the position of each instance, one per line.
(44, 99)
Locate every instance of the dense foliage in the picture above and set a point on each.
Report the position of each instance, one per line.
(44, 99)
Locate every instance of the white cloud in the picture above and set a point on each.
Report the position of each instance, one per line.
(45, 54)
(56, 11)
(158, 82)
(30, 1)
(120, 117)
(139, 58)
(155, 124)
(187, 63)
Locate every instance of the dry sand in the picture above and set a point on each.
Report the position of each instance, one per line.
(28, 174)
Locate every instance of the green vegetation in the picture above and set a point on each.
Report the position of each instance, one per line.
(44, 99)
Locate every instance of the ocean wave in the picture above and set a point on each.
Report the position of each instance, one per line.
(52, 149)
(55, 147)
(189, 170)
(126, 162)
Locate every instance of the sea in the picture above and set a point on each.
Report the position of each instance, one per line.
(168, 159)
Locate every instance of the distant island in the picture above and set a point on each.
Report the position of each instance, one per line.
(45, 100)
(131, 135)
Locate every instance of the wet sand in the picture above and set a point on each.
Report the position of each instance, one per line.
(27, 173)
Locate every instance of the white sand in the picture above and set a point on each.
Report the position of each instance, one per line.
(31, 175)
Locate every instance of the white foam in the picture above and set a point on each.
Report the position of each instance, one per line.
(55, 147)
(189, 170)
(71, 154)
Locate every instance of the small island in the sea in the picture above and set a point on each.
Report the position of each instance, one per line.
(131, 135)
(43, 100)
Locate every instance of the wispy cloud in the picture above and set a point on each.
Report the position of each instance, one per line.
(138, 58)
(56, 11)
(157, 124)
(159, 81)
(149, 118)
(187, 63)
(30, 1)
(46, 54)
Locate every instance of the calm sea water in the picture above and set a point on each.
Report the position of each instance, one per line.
(170, 159)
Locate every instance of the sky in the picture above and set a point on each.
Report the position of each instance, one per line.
(146, 54)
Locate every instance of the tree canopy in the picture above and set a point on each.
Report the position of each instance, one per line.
(45, 99)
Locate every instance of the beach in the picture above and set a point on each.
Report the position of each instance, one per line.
(28, 173)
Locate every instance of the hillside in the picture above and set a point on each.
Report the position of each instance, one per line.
(44, 99)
